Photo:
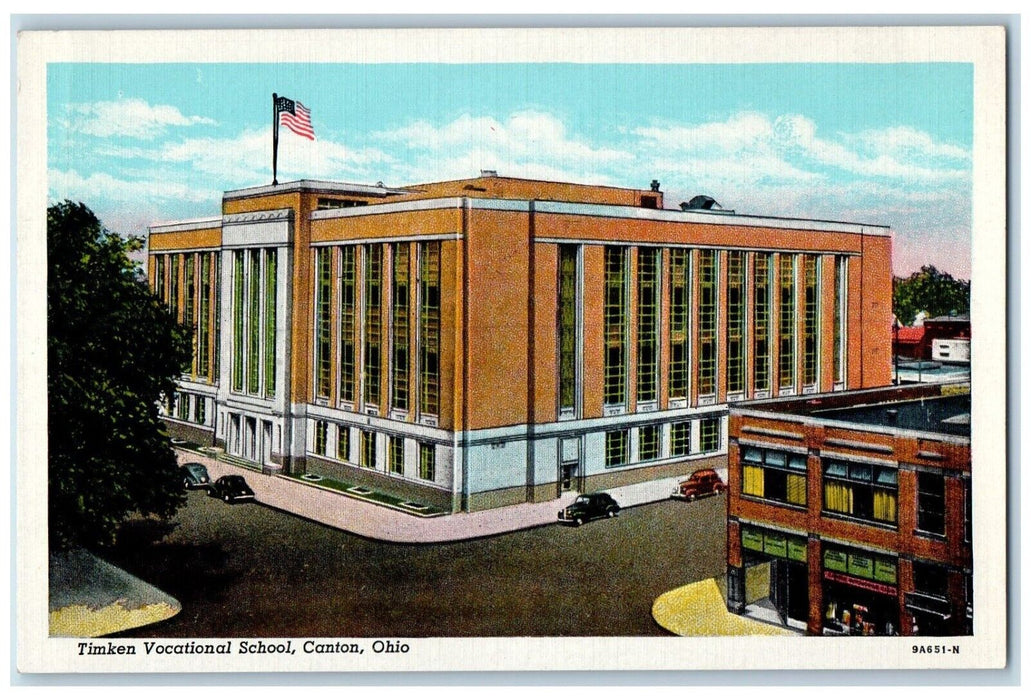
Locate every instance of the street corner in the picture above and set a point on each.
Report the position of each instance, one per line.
(92, 598)
(700, 610)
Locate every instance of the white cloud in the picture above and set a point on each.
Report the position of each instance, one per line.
(134, 118)
(69, 184)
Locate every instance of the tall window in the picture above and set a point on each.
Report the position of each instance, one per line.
(810, 320)
(173, 285)
(270, 322)
(679, 323)
(160, 283)
(237, 321)
(190, 298)
(617, 448)
(396, 455)
(706, 322)
(373, 322)
(735, 322)
(216, 275)
(253, 321)
(343, 443)
(427, 462)
(204, 317)
(648, 443)
(368, 451)
(930, 503)
(348, 320)
(399, 294)
(322, 321)
(429, 328)
(773, 475)
(648, 324)
(787, 320)
(839, 318)
(680, 439)
(709, 435)
(615, 325)
(862, 491)
(567, 282)
(761, 323)
(321, 428)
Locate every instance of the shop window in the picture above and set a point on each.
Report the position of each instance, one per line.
(427, 462)
(930, 503)
(861, 491)
(648, 443)
(680, 439)
(616, 448)
(773, 475)
(709, 435)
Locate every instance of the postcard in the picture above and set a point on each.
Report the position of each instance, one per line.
(511, 349)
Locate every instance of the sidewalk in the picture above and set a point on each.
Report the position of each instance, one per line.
(699, 610)
(381, 523)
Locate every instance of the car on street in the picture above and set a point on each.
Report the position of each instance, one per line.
(589, 506)
(231, 488)
(195, 476)
(704, 482)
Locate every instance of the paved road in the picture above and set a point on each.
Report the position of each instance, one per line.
(249, 571)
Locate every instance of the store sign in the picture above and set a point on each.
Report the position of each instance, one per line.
(885, 571)
(797, 550)
(858, 565)
(860, 583)
(776, 545)
(751, 539)
(835, 560)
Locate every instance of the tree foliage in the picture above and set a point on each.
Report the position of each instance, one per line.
(933, 292)
(114, 350)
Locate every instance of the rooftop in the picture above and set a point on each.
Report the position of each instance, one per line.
(943, 414)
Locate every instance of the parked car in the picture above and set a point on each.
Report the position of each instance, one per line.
(589, 506)
(231, 488)
(704, 482)
(195, 476)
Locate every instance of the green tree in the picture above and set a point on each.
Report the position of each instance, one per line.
(113, 351)
(933, 292)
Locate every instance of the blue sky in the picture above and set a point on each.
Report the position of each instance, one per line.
(888, 144)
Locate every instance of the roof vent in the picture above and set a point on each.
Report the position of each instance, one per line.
(488, 173)
(701, 201)
(655, 185)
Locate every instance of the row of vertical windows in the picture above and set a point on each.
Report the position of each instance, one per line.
(861, 491)
(735, 322)
(648, 324)
(373, 322)
(840, 286)
(202, 337)
(761, 323)
(323, 292)
(187, 407)
(399, 294)
(348, 327)
(254, 321)
(680, 322)
(617, 442)
(367, 457)
(429, 328)
(194, 309)
(237, 354)
(707, 273)
(810, 320)
(615, 319)
(787, 321)
(567, 325)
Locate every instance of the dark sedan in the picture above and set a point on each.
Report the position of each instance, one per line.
(231, 488)
(195, 476)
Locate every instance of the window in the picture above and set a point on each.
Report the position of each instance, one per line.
(373, 322)
(615, 326)
(567, 327)
(368, 445)
(399, 297)
(709, 435)
(427, 462)
(215, 359)
(429, 328)
(648, 263)
(321, 428)
(254, 321)
(204, 318)
(190, 297)
(238, 321)
(648, 443)
(967, 509)
(810, 320)
(200, 410)
(761, 323)
(706, 322)
(840, 287)
(862, 491)
(787, 321)
(680, 439)
(735, 322)
(930, 503)
(931, 579)
(183, 406)
(679, 323)
(173, 286)
(160, 283)
(773, 475)
(322, 321)
(397, 455)
(616, 448)
(343, 443)
(270, 322)
(348, 316)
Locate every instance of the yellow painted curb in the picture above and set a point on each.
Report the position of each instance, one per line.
(698, 610)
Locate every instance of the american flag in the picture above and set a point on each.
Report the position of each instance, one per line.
(295, 117)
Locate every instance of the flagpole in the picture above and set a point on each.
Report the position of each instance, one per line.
(275, 137)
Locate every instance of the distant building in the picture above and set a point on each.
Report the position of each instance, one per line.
(483, 342)
(849, 513)
(942, 339)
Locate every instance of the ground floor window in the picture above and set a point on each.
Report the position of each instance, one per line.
(182, 406)
(860, 592)
(648, 443)
(680, 439)
(709, 436)
(427, 462)
(397, 455)
(368, 455)
(321, 428)
(200, 407)
(616, 448)
(343, 443)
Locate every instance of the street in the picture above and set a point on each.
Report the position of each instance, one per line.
(250, 571)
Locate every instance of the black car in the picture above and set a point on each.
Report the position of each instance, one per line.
(231, 488)
(195, 476)
(588, 506)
